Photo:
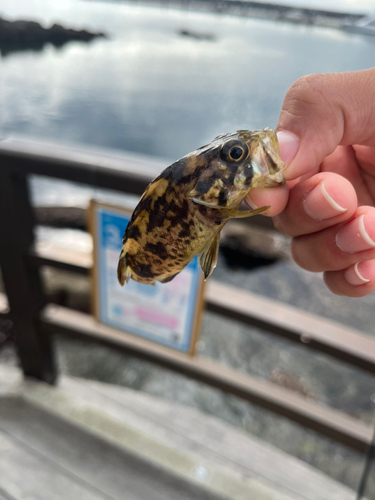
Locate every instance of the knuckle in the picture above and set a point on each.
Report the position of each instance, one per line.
(281, 227)
(298, 256)
(330, 282)
(313, 99)
(303, 257)
(314, 94)
(305, 90)
(277, 222)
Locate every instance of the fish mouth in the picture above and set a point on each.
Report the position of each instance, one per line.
(266, 162)
(275, 180)
(267, 168)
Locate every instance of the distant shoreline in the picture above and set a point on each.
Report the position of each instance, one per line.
(271, 11)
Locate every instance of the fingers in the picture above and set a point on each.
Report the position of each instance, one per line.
(326, 135)
(357, 280)
(319, 202)
(339, 246)
(276, 197)
(322, 111)
(331, 234)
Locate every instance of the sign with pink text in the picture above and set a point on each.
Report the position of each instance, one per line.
(166, 313)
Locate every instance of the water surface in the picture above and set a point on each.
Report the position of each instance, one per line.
(147, 88)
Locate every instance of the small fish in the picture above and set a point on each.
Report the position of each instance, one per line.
(182, 211)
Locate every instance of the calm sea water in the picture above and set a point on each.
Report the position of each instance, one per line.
(147, 88)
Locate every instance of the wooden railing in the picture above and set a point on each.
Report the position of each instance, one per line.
(34, 320)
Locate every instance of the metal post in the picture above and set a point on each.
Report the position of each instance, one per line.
(21, 280)
(366, 470)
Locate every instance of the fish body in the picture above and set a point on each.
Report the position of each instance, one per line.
(181, 213)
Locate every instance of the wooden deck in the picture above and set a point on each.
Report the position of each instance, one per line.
(87, 440)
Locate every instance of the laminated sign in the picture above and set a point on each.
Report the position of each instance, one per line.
(166, 313)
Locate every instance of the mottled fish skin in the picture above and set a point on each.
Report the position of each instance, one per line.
(188, 204)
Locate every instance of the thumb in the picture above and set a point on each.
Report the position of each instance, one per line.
(322, 111)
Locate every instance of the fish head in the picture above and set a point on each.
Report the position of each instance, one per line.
(235, 163)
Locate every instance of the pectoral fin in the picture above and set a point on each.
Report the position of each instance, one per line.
(240, 214)
(204, 203)
(208, 258)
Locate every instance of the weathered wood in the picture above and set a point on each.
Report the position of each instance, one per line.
(307, 329)
(21, 280)
(331, 423)
(265, 394)
(61, 217)
(129, 173)
(41, 418)
(313, 331)
(50, 254)
(5, 496)
(92, 467)
(217, 442)
(107, 169)
(26, 474)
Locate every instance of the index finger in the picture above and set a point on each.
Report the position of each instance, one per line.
(276, 197)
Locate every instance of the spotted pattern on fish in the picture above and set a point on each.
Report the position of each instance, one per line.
(184, 209)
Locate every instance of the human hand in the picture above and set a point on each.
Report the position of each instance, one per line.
(326, 132)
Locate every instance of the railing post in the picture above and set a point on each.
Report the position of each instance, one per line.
(370, 461)
(22, 281)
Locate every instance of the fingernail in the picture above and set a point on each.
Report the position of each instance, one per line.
(320, 205)
(355, 237)
(288, 145)
(354, 275)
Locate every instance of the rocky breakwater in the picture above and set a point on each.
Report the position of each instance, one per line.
(23, 35)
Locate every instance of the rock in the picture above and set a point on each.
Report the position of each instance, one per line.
(248, 247)
(22, 35)
(197, 35)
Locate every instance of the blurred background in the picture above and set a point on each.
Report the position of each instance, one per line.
(166, 78)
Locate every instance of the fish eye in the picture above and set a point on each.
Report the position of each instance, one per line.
(234, 151)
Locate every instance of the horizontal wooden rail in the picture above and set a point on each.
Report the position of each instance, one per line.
(99, 168)
(331, 423)
(126, 172)
(312, 331)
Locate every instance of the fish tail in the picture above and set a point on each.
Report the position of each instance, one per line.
(123, 270)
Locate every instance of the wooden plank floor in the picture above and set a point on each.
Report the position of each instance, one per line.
(88, 440)
(44, 458)
(214, 440)
(4, 496)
